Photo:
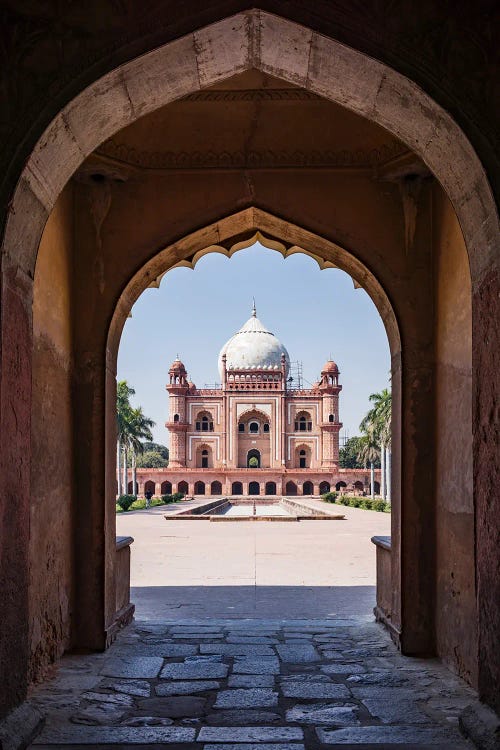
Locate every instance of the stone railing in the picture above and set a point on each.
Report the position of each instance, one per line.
(123, 607)
(383, 608)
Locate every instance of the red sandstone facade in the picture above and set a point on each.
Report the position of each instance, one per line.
(254, 435)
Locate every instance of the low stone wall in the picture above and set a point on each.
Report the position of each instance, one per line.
(123, 607)
(383, 608)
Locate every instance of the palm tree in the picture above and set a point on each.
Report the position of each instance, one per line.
(139, 428)
(132, 426)
(123, 411)
(369, 453)
(377, 425)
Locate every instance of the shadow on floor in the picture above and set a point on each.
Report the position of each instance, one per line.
(165, 602)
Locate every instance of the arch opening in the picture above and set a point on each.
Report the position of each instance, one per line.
(475, 238)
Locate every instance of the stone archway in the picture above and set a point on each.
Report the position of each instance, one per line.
(285, 50)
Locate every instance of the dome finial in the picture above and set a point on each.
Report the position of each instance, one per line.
(254, 309)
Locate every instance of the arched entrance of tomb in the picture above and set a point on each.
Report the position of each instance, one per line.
(253, 488)
(372, 89)
(216, 488)
(204, 457)
(308, 488)
(324, 487)
(291, 489)
(199, 488)
(183, 487)
(270, 488)
(149, 486)
(253, 459)
(340, 486)
(236, 488)
(166, 488)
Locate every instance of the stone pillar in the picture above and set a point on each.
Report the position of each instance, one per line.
(388, 472)
(15, 456)
(382, 472)
(94, 399)
(157, 489)
(486, 477)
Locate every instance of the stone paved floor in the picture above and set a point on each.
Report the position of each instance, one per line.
(252, 684)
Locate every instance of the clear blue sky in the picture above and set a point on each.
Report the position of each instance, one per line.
(315, 314)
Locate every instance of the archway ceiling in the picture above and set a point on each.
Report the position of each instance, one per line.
(251, 120)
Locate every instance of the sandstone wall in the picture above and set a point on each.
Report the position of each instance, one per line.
(51, 537)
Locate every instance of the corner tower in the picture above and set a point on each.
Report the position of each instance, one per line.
(330, 424)
(177, 388)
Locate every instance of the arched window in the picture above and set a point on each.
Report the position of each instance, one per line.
(302, 459)
(241, 427)
(204, 459)
(331, 418)
(303, 422)
(176, 417)
(254, 427)
(266, 427)
(204, 422)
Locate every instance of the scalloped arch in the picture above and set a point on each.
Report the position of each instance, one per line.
(239, 231)
(265, 417)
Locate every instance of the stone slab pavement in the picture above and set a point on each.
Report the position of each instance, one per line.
(251, 684)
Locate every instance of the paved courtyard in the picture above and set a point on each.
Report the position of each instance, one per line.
(268, 569)
(252, 636)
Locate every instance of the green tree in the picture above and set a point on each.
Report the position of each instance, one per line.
(139, 429)
(151, 460)
(157, 448)
(349, 454)
(132, 427)
(377, 428)
(123, 415)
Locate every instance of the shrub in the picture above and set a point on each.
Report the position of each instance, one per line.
(355, 502)
(330, 497)
(367, 503)
(125, 501)
(344, 500)
(166, 499)
(378, 505)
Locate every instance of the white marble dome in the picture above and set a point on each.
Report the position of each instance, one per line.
(253, 347)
